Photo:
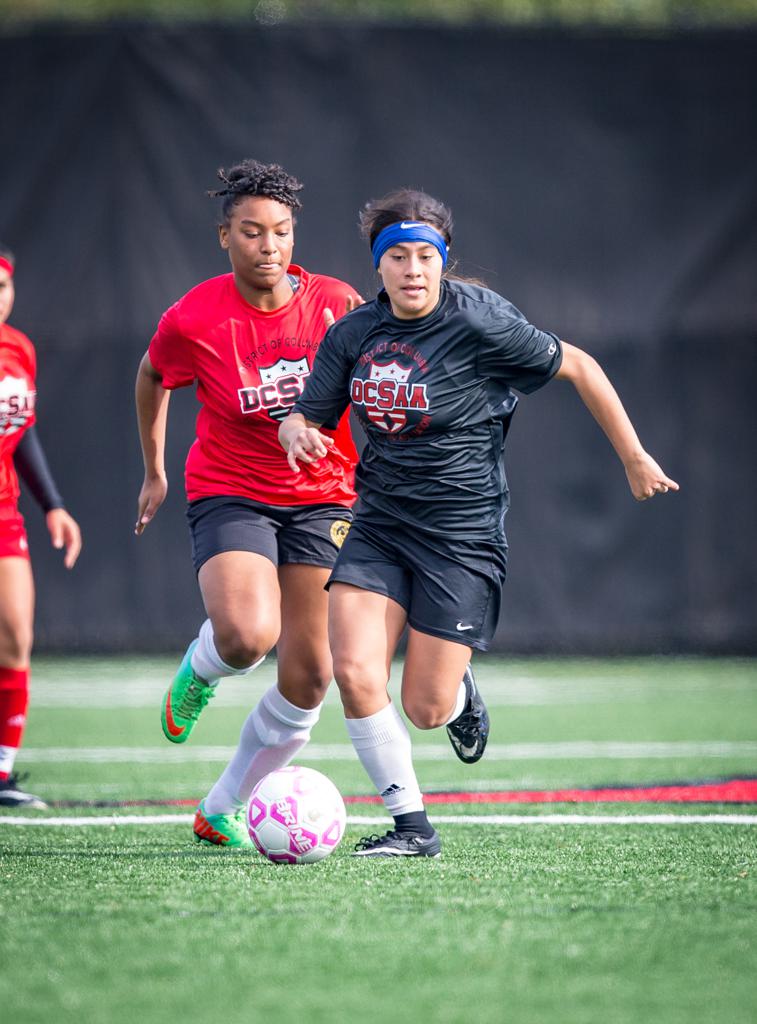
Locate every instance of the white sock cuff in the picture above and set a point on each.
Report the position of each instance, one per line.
(287, 713)
(383, 727)
(207, 662)
(229, 671)
(7, 759)
(457, 710)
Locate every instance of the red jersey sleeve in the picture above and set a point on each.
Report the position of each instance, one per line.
(170, 351)
(31, 356)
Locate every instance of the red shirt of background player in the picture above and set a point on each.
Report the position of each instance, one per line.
(18, 367)
(20, 452)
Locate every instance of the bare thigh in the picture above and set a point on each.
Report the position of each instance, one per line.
(242, 598)
(364, 630)
(434, 669)
(302, 651)
(16, 612)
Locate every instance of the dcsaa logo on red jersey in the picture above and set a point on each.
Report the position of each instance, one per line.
(387, 395)
(16, 404)
(281, 384)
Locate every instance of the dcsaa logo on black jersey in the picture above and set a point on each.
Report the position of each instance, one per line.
(281, 384)
(388, 396)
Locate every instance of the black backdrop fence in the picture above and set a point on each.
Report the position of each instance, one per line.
(607, 185)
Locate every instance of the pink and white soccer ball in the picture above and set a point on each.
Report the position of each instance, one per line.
(296, 816)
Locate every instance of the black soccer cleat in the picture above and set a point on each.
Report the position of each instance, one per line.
(11, 795)
(399, 844)
(470, 730)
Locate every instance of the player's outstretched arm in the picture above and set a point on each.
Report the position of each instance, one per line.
(301, 439)
(645, 477)
(152, 412)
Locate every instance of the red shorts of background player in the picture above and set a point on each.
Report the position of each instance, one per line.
(13, 542)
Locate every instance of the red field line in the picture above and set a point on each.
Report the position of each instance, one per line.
(729, 791)
(734, 791)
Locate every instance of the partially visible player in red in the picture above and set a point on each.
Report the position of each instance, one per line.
(20, 453)
(264, 538)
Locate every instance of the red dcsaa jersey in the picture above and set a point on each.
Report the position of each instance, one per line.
(18, 367)
(250, 366)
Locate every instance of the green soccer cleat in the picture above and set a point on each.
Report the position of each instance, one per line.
(222, 829)
(184, 700)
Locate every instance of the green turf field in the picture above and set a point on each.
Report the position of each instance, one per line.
(531, 923)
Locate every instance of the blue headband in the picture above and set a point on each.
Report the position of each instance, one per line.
(408, 231)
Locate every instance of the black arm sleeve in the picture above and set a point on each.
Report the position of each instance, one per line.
(32, 467)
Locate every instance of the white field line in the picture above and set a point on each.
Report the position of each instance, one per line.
(445, 819)
(145, 690)
(580, 750)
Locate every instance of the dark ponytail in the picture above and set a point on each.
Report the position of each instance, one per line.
(411, 204)
(404, 204)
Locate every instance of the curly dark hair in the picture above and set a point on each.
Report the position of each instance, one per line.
(404, 204)
(251, 178)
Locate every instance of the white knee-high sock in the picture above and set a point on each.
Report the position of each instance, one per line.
(272, 734)
(383, 745)
(207, 662)
(462, 696)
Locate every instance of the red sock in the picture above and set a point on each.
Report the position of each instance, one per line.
(14, 699)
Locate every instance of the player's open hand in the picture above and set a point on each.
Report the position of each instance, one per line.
(646, 478)
(353, 301)
(308, 445)
(64, 533)
(151, 497)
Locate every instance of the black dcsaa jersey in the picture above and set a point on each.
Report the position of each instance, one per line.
(434, 397)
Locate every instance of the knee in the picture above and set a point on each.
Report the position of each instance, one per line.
(320, 677)
(308, 681)
(424, 715)
(349, 672)
(241, 648)
(16, 646)
(358, 682)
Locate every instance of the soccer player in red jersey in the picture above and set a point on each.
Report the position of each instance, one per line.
(20, 453)
(264, 538)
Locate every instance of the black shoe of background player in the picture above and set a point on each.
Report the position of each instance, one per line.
(11, 795)
(470, 730)
(399, 844)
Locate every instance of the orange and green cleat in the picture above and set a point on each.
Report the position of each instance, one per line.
(222, 829)
(184, 700)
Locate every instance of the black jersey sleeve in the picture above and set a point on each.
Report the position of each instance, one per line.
(514, 351)
(327, 390)
(31, 465)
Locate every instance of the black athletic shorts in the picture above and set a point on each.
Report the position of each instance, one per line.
(298, 535)
(451, 589)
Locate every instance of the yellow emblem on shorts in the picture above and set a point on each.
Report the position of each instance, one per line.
(339, 530)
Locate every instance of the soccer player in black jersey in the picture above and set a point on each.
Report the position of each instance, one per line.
(430, 367)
